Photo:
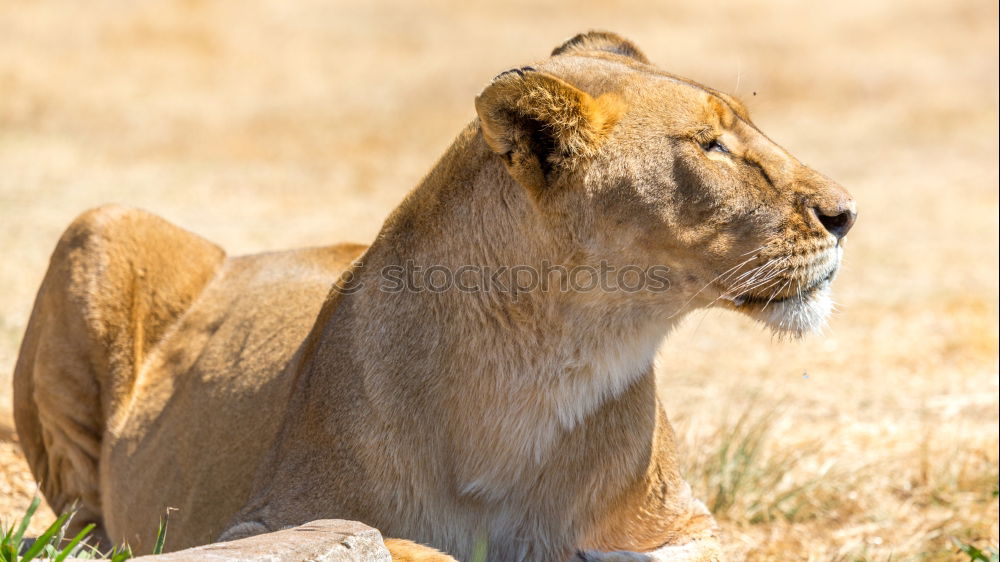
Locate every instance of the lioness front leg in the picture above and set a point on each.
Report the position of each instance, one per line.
(695, 551)
(408, 551)
(688, 533)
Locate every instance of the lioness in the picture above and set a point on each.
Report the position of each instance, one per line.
(246, 393)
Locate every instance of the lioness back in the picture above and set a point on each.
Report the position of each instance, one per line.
(222, 368)
(189, 379)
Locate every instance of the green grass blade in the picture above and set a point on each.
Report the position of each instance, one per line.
(72, 544)
(161, 535)
(480, 549)
(975, 554)
(45, 538)
(121, 555)
(19, 534)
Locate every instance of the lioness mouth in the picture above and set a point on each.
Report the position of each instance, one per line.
(802, 294)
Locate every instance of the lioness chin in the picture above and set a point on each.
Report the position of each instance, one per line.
(259, 392)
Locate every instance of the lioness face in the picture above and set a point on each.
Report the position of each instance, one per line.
(686, 179)
(678, 175)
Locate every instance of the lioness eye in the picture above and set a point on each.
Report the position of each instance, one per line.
(714, 144)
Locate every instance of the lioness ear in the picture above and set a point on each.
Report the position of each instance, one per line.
(540, 124)
(601, 41)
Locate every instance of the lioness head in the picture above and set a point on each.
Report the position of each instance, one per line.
(640, 167)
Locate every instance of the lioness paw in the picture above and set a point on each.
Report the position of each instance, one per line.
(695, 551)
(616, 556)
(403, 550)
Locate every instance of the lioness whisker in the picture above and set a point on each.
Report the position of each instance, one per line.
(760, 274)
(758, 279)
(707, 285)
(732, 270)
(754, 272)
(759, 248)
(776, 293)
(746, 288)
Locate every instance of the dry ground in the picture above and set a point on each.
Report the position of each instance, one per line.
(270, 124)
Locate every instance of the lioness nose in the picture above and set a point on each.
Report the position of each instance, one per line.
(837, 221)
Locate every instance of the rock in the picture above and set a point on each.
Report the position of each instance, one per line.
(326, 540)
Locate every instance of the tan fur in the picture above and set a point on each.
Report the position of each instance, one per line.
(242, 391)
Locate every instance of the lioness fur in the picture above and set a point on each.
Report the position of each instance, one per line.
(259, 392)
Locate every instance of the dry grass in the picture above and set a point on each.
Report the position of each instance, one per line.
(270, 124)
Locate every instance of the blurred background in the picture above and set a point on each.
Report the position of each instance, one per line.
(268, 124)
